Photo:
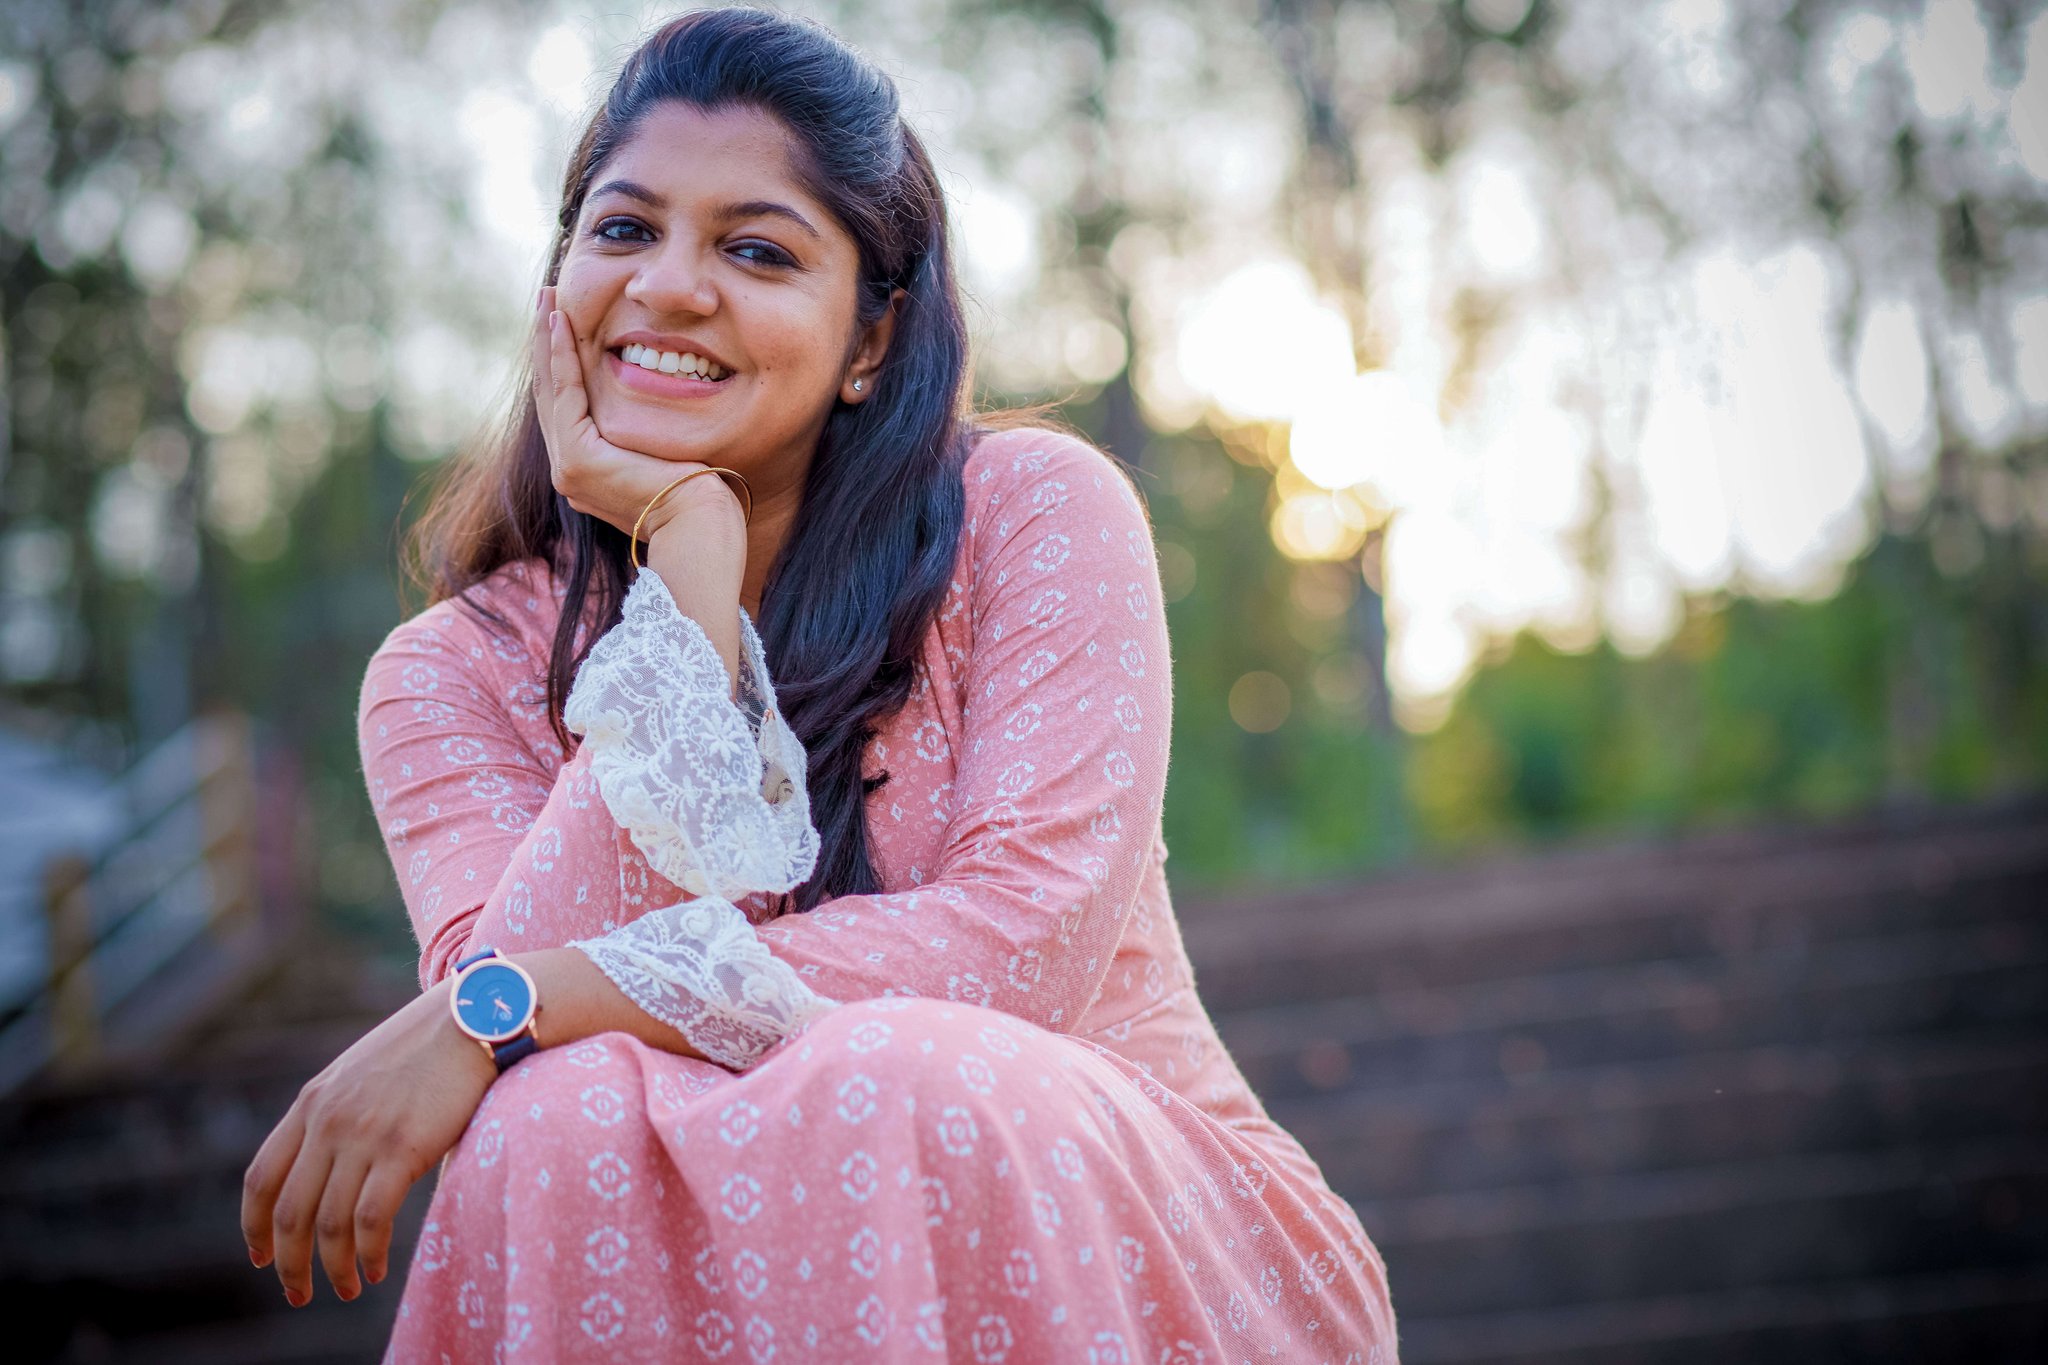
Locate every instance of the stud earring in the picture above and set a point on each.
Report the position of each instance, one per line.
(856, 385)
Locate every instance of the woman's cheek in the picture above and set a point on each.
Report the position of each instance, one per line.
(580, 294)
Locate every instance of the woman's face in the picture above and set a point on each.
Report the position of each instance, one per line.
(698, 241)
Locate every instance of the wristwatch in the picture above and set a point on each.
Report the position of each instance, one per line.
(494, 1002)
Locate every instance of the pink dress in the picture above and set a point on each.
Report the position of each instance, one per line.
(979, 1116)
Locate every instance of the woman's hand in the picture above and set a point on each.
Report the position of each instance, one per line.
(602, 479)
(337, 1166)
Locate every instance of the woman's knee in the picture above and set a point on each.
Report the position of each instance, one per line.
(917, 1055)
(864, 1026)
(586, 1093)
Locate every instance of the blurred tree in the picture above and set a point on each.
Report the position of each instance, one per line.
(200, 290)
(260, 263)
(1757, 708)
(1875, 133)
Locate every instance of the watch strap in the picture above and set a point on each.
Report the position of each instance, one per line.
(514, 1049)
(473, 959)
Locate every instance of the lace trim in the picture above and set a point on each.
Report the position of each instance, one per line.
(699, 967)
(717, 807)
(712, 790)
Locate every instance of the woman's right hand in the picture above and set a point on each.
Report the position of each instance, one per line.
(604, 480)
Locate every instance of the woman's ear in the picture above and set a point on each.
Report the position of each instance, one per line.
(857, 385)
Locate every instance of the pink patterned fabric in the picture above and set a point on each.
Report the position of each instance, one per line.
(1018, 1139)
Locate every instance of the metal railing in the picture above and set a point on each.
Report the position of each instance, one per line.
(172, 905)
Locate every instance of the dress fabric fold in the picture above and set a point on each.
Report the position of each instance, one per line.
(978, 1115)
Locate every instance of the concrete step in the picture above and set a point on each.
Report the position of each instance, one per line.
(1387, 1142)
(1716, 1229)
(1997, 1317)
(1587, 910)
(206, 1312)
(131, 1180)
(1881, 985)
(300, 1017)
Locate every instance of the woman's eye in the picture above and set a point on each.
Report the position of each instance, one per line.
(604, 229)
(768, 253)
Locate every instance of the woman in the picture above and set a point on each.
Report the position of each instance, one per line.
(864, 1026)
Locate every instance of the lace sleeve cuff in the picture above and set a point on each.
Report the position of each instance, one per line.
(718, 805)
(700, 968)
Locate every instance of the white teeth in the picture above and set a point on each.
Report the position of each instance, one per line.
(671, 362)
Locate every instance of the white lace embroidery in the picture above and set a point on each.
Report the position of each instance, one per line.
(716, 809)
(714, 793)
(699, 967)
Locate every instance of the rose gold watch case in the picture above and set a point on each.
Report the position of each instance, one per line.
(532, 994)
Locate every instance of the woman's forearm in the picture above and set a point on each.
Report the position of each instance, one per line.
(699, 554)
(577, 1000)
(701, 559)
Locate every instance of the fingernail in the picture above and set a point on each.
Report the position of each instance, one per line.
(255, 1259)
(374, 1275)
(291, 1297)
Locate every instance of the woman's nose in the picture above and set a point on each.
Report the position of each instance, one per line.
(676, 279)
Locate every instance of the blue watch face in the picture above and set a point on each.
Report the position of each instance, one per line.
(493, 1001)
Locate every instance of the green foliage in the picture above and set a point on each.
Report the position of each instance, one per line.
(1907, 684)
(269, 576)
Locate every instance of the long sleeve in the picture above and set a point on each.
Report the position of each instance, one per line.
(1058, 790)
(487, 829)
(493, 837)
(718, 812)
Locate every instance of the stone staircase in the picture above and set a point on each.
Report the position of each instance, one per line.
(120, 1239)
(1764, 1096)
(1769, 1096)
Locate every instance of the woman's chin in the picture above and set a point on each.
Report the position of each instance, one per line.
(659, 439)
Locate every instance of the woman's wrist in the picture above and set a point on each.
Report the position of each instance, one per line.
(704, 508)
(578, 1001)
(479, 1059)
(703, 573)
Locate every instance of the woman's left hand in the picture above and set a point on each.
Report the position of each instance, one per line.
(337, 1167)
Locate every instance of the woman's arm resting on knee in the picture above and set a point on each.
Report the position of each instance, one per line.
(334, 1171)
(330, 1178)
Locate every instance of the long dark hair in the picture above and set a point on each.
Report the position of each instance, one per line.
(868, 563)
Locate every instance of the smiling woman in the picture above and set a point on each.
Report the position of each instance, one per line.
(834, 1015)
(730, 240)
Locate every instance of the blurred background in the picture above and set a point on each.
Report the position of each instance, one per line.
(1598, 454)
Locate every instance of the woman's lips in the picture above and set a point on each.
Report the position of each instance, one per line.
(661, 385)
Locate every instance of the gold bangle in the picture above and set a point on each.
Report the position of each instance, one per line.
(633, 548)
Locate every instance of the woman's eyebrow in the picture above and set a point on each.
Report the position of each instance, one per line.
(632, 190)
(756, 208)
(725, 213)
